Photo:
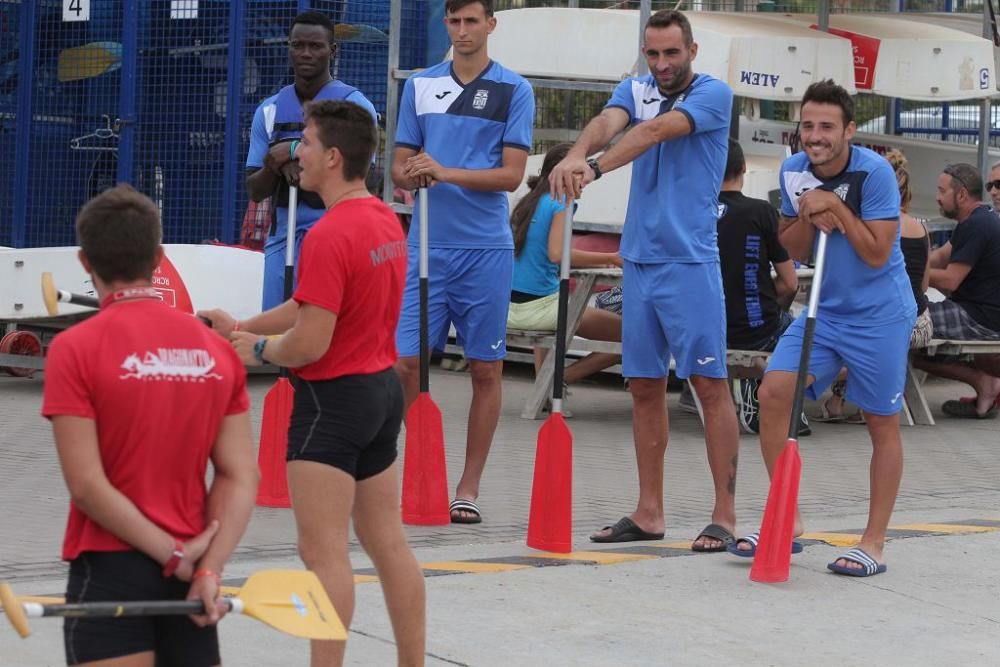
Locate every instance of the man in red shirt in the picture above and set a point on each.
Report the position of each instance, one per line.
(140, 397)
(338, 337)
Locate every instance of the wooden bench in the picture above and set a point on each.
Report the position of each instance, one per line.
(916, 410)
(738, 362)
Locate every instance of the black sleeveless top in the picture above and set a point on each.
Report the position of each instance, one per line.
(915, 256)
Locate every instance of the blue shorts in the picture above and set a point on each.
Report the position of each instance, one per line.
(274, 267)
(673, 310)
(875, 357)
(467, 287)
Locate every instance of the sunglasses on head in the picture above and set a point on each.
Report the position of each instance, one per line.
(993, 185)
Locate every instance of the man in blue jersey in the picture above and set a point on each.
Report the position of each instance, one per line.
(672, 284)
(465, 131)
(277, 127)
(866, 308)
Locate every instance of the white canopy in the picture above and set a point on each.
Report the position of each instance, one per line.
(760, 56)
(914, 60)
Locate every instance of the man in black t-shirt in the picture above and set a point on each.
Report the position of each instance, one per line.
(756, 304)
(968, 269)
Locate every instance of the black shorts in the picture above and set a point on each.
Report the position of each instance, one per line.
(350, 423)
(129, 575)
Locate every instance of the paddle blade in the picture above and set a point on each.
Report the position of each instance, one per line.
(273, 489)
(550, 522)
(292, 601)
(425, 475)
(15, 613)
(773, 560)
(49, 294)
(89, 60)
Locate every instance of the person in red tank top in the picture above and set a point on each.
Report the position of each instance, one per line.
(337, 335)
(141, 397)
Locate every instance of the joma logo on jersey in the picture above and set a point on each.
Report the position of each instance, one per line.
(480, 100)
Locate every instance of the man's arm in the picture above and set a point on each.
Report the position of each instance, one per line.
(595, 136)
(506, 177)
(786, 283)
(399, 173)
(94, 495)
(941, 256)
(949, 278)
(230, 502)
(797, 236)
(873, 240)
(277, 320)
(644, 136)
(303, 344)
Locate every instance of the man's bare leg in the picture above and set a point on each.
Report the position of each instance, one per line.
(379, 528)
(590, 364)
(722, 440)
(776, 395)
(408, 370)
(322, 499)
(987, 386)
(649, 428)
(484, 412)
(885, 472)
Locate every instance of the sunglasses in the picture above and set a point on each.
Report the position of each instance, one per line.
(992, 185)
(951, 171)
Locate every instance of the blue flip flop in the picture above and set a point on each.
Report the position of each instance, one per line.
(869, 566)
(752, 539)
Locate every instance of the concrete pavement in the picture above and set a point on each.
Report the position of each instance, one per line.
(939, 603)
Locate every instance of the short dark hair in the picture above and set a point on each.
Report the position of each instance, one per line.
(966, 176)
(350, 129)
(313, 17)
(668, 17)
(735, 162)
(830, 92)
(454, 5)
(119, 232)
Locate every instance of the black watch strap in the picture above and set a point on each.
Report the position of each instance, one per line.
(592, 163)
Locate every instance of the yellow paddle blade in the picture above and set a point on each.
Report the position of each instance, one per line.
(292, 601)
(40, 599)
(89, 60)
(15, 613)
(49, 294)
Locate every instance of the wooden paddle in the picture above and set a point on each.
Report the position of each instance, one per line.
(291, 601)
(550, 521)
(773, 558)
(425, 477)
(88, 60)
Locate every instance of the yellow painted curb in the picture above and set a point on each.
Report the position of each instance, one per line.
(949, 528)
(599, 557)
(365, 578)
(834, 539)
(475, 568)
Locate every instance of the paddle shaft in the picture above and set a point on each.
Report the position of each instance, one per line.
(425, 353)
(561, 324)
(293, 215)
(116, 609)
(807, 339)
(92, 302)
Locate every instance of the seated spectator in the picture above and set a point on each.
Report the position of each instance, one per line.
(756, 304)
(914, 241)
(967, 269)
(537, 223)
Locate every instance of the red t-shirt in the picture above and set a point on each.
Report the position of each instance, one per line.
(353, 263)
(158, 384)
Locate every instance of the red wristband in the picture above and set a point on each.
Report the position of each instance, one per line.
(207, 573)
(175, 559)
(236, 325)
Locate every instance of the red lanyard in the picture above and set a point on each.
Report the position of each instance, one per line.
(131, 293)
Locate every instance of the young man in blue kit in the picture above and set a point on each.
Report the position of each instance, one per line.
(678, 142)
(866, 308)
(464, 132)
(277, 125)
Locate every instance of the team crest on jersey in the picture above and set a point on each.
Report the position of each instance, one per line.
(722, 209)
(171, 365)
(841, 191)
(480, 99)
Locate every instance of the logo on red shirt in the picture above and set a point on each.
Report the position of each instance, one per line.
(170, 364)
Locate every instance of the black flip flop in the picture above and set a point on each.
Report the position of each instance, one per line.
(625, 531)
(715, 532)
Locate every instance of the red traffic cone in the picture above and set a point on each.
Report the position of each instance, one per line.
(773, 560)
(425, 476)
(273, 488)
(550, 522)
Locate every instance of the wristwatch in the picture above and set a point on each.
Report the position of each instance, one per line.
(258, 349)
(592, 163)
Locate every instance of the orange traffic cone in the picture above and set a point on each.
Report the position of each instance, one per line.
(273, 488)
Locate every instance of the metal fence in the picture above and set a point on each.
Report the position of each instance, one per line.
(160, 94)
